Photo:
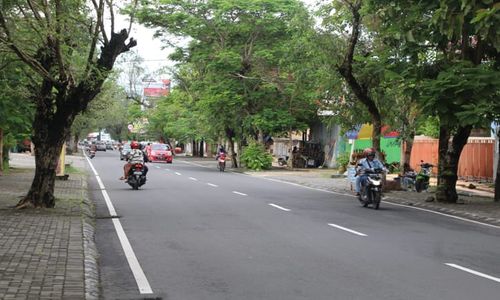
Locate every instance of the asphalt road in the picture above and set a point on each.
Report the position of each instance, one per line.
(198, 233)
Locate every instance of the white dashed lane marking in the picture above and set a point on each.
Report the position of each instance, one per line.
(473, 272)
(238, 193)
(347, 229)
(279, 207)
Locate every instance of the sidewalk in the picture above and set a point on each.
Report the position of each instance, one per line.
(476, 204)
(47, 253)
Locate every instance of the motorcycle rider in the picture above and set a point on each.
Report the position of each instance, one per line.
(220, 152)
(367, 163)
(137, 156)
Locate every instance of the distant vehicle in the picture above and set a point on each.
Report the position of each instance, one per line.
(109, 145)
(101, 146)
(125, 152)
(160, 153)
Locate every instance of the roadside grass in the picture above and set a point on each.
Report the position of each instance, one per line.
(69, 169)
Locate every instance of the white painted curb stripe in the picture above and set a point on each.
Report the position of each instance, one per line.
(211, 184)
(443, 214)
(140, 277)
(473, 272)
(135, 267)
(235, 192)
(279, 207)
(347, 229)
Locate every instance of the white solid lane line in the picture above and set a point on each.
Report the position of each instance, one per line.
(473, 272)
(347, 229)
(235, 192)
(279, 207)
(135, 267)
(192, 178)
(211, 184)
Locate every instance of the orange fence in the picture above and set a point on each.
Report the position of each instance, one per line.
(476, 160)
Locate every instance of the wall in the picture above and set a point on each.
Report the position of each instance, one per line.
(476, 160)
(390, 146)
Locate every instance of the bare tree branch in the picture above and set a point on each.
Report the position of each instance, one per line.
(132, 16)
(63, 76)
(112, 14)
(95, 35)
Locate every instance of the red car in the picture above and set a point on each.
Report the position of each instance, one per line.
(160, 152)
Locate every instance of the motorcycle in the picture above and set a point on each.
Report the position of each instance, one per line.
(371, 190)
(136, 176)
(221, 164)
(408, 181)
(90, 153)
(283, 161)
(423, 177)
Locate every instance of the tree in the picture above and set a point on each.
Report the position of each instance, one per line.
(235, 48)
(455, 47)
(58, 41)
(15, 115)
(355, 59)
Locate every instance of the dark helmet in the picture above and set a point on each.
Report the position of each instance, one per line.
(134, 145)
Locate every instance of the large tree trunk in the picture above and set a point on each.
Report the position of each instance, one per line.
(377, 130)
(202, 148)
(1, 151)
(449, 155)
(195, 148)
(51, 131)
(76, 138)
(230, 138)
(406, 151)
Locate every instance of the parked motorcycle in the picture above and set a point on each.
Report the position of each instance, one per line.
(423, 177)
(221, 162)
(283, 161)
(408, 180)
(371, 190)
(137, 176)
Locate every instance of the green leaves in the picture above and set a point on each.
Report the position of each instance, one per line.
(255, 157)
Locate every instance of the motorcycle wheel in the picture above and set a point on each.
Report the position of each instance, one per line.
(376, 200)
(135, 184)
(363, 202)
(419, 184)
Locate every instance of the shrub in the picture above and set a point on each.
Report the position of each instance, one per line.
(343, 160)
(256, 158)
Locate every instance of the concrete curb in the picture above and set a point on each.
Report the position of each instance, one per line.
(91, 267)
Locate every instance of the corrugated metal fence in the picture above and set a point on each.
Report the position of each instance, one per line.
(476, 160)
